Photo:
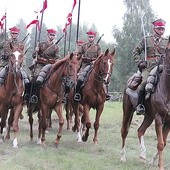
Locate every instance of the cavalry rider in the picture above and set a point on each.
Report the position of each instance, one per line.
(155, 45)
(88, 52)
(46, 53)
(5, 47)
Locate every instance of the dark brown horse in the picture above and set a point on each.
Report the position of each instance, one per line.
(11, 93)
(52, 93)
(70, 109)
(156, 108)
(93, 95)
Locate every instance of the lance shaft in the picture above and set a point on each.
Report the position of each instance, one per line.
(144, 35)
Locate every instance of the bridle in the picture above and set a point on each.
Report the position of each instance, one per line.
(104, 77)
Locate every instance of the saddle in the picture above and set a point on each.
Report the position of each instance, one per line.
(83, 76)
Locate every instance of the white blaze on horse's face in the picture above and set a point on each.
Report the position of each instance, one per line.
(17, 54)
(109, 63)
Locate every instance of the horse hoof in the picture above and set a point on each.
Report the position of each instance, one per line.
(95, 142)
(142, 159)
(39, 142)
(43, 144)
(46, 131)
(56, 144)
(84, 139)
(15, 146)
(73, 129)
(123, 159)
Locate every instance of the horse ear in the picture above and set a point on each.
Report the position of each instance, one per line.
(106, 52)
(71, 56)
(113, 52)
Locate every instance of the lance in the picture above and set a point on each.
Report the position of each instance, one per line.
(36, 28)
(69, 37)
(40, 26)
(5, 36)
(144, 35)
(78, 19)
(65, 37)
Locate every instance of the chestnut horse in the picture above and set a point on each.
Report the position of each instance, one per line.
(52, 93)
(156, 108)
(93, 95)
(11, 93)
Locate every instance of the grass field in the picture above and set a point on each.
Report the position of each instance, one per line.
(71, 155)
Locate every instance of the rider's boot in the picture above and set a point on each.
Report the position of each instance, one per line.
(35, 97)
(140, 109)
(77, 96)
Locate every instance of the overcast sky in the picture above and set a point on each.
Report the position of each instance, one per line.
(104, 14)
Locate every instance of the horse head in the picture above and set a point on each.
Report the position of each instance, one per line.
(166, 57)
(105, 64)
(16, 58)
(72, 70)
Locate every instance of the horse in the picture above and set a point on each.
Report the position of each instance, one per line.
(11, 94)
(93, 95)
(52, 93)
(157, 108)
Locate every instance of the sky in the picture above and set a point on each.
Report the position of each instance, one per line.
(104, 14)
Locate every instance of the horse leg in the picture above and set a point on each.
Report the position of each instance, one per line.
(3, 123)
(96, 123)
(10, 121)
(58, 110)
(39, 127)
(67, 109)
(43, 124)
(127, 119)
(17, 112)
(141, 131)
(49, 120)
(76, 126)
(88, 123)
(160, 144)
(31, 120)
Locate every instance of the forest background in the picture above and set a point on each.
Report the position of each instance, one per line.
(125, 39)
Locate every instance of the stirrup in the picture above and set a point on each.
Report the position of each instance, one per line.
(140, 109)
(34, 99)
(77, 97)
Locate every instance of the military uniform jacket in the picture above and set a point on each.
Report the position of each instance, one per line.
(48, 51)
(89, 51)
(6, 50)
(153, 51)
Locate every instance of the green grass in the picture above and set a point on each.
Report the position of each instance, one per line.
(71, 155)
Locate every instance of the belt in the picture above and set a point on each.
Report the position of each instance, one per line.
(151, 58)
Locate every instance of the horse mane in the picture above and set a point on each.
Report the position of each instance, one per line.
(101, 56)
(58, 63)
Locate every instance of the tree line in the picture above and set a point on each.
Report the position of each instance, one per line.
(125, 39)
